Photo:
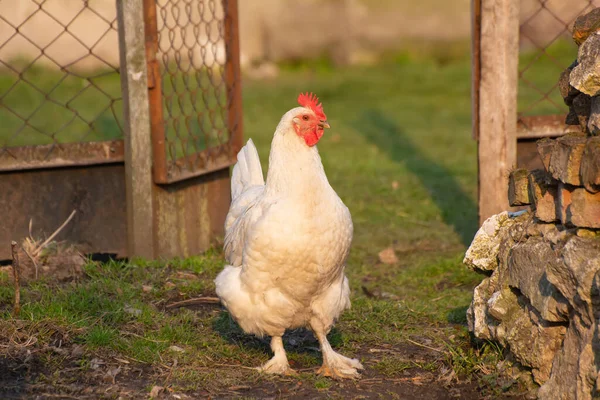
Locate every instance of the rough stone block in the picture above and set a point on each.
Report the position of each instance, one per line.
(542, 194)
(545, 147)
(585, 25)
(573, 273)
(585, 77)
(590, 165)
(572, 118)
(482, 254)
(581, 106)
(567, 91)
(594, 120)
(518, 191)
(477, 314)
(527, 266)
(574, 370)
(565, 160)
(584, 210)
(563, 201)
(533, 341)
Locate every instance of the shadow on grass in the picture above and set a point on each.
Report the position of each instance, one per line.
(457, 207)
(296, 340)
(458, 315)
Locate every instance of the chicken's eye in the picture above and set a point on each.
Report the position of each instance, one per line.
(305, 117)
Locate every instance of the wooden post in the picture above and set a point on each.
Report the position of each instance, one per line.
(497, 111)
(136, 115)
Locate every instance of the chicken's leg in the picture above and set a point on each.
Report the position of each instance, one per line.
(279, 363)
(335, 365)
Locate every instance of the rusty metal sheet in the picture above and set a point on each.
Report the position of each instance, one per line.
(543, 126)
(205, 162)
(97, 193)
(233, 77)
(190, 214)
(61, 155)
(155, 99)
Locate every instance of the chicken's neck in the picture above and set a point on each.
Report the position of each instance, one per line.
(294, 168)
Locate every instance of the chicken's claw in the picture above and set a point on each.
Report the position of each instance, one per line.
(341, 368)
(276, 366)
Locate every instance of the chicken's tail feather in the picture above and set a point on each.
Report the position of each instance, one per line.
(247, 172)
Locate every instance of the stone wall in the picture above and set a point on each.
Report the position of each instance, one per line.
(541, 294)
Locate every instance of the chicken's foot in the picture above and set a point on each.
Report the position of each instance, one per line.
(336, 365)
(279, 363)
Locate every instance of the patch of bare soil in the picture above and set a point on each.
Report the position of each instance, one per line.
(65, 370)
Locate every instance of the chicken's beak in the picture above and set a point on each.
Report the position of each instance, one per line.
(324, 124)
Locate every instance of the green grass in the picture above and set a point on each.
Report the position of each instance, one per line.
(401, 157)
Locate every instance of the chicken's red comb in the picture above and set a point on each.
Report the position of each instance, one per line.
(309, 100)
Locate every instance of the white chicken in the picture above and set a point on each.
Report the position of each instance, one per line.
(286, 242)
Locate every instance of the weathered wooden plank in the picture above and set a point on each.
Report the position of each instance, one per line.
(138, 145)
(499, 50)
(48, 196)
(190, 214)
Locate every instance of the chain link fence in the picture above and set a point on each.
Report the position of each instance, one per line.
(546, 50)
(59, 74)
(192, 68)
(60, 84)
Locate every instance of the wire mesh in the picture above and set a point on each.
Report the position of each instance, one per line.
(192, 57)
(547, 49)
(59, 73)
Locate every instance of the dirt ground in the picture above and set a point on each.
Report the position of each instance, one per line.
(24, 377)
(65, 369)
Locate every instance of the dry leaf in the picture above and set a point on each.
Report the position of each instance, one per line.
(395, 185)
(111, 375)
(186, 275)
(146, 288)
(156, 390)
(388, 256)
(169, 285)
(177, 349)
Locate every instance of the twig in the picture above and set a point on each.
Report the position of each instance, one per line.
(425, 346)
(30, 228)
(235, 366)
(33, 261)
(56, 232)
(16, 272)
(197, 300)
